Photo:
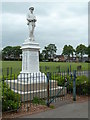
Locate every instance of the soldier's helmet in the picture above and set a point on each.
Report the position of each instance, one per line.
(31, 8)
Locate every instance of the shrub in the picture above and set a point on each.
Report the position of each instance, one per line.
(37, 100)
(10, 100)
(82, 84)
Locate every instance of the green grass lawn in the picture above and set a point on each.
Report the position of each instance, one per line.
(16, 66)
(63, 66)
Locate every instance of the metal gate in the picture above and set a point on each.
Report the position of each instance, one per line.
(61, 86)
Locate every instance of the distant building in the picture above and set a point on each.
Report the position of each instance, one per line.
(59, 58)
(63, 58)
(84, 59)
(77, 59)
(72, 59)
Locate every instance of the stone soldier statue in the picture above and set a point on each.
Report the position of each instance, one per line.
(31, 19)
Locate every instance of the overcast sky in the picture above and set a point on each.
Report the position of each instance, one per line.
(58, 23)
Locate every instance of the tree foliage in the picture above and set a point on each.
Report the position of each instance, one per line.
(81, 50)
(88, 51)
(49, 52)
(68, 50)
(11, 52)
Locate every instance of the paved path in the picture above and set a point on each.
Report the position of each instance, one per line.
(74, 110)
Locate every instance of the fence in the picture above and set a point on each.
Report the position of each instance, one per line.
(11, 71)
(26, 90)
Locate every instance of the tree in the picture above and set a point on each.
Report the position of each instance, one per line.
(81, 50)
(45, 54)
(88, 52)
(49, 52)
(40, 56)
(10, 52)
(68, 50)
(6, 52)
(51, 49)
(16, 51)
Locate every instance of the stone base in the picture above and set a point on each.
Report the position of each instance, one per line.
(27, 77)
(30, 86)
(29, 90)
(27, 96)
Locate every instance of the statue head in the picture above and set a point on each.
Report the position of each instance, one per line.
(31, 9)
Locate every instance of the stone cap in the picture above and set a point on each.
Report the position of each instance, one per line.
(30, 45)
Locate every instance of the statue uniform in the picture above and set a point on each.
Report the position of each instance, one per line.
(31, 19)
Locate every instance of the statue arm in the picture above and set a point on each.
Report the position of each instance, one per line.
(28, 18)
(35, 19)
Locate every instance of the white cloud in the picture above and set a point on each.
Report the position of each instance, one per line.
(14, 21)
(61, 24)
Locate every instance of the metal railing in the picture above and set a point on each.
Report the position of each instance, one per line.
(28, 89)
(10, 70)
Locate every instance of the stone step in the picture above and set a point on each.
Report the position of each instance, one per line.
(27, 96)
(30, 86)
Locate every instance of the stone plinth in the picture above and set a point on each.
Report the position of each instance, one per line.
(30, 85)
(30, 57)
(30, 62)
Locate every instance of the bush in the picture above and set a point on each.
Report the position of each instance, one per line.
(11, 77)
(82, 84)
(62, 80)
(10, 100)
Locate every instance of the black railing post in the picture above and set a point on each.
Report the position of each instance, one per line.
(70, 68)
(40, 68)
(3, 85)
(59, 69)
(11, 70)
(71, 76)
(74, 86)
(2, 71)
(45, 68)
(48, 89)
(68, 71)
(7, 72)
